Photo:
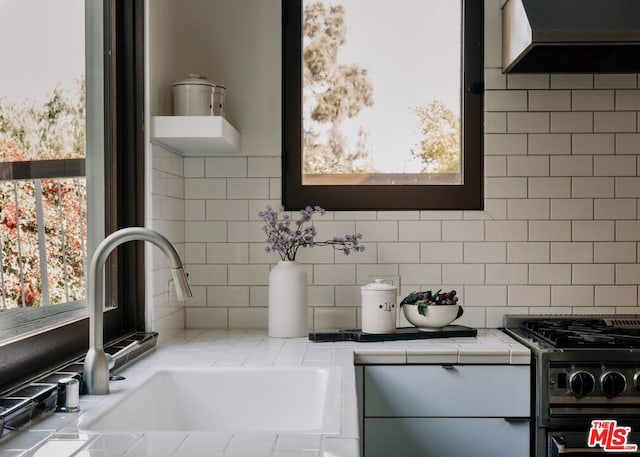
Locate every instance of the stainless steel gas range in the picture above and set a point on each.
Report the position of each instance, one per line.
(586, 383)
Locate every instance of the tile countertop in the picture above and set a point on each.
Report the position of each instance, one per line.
(58, 436)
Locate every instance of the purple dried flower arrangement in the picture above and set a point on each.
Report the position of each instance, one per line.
(286, 240)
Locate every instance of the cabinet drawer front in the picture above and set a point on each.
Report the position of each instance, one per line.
(450, 437)
(447, 391)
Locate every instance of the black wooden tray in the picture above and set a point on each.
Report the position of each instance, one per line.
(402, 333)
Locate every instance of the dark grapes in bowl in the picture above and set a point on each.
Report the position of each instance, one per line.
(429, 310)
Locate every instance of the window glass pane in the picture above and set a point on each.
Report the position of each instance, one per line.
(42, 121)
(381, 92)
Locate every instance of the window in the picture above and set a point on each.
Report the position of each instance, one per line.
(35, 336)
(382, 104)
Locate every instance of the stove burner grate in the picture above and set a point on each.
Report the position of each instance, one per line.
(582, 333)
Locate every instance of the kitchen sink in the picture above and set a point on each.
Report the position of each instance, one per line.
(271, 399)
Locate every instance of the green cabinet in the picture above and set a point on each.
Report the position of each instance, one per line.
(445, 410)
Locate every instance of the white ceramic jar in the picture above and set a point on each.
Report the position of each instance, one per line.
(379, 307)
(196, 96)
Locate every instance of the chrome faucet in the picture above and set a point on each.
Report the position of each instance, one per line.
(96, 362)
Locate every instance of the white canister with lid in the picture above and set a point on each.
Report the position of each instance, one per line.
(379, 307)
(193, 96)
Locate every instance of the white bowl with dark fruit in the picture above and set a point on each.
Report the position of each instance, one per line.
(431, 311)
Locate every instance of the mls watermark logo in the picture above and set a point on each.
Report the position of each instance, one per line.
(610, 436)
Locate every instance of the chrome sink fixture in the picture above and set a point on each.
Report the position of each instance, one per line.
(288, 400)
(96, 363)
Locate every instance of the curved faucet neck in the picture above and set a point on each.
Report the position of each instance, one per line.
(96, 378)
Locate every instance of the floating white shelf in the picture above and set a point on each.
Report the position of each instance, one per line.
(195, 135)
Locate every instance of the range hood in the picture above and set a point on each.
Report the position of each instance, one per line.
(571, 36)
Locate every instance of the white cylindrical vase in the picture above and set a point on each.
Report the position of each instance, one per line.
(288, 300)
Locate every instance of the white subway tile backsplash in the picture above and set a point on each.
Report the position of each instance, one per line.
(592, 187)
(529, 295)
(528, 166)
(614, 252)
(555, 187)
(616, 296)
(527, 122)
(614, 208)
(571, 122)
(549, 143)
(572, 208)
(592, 231)
(592, 274)
(495, 122)
(567, 252)
(194, 167)
(264, 167)
(615, 81)
(592, 100)
(427, 272)
(194, 210)
(572, 166)
(462, 230)
(528, 252)
(627, 187)
(485, 252)
(549, 274)
(528, 208)
(463, 274)
(527, 81)
(559, 231)
(224, 253)
(572, 295)
(328, 318)
(485, 296)
(506, 230)
(223, 296)
(248, 275)
(441, 252)
(334, 274)
(227, 210)
(378, 230)
(205, 231)
(549, 100)
(495, 166)
(247, 188)
(206, 318)
(247, 231)
(505, 187)
(508, 144)
(241, 318)
(420, 230)
(495, 79)
(628, 100)
(196, 188)
(225, 167)
(627, 143)
(627, 273)
(571, 81)
(627, 230)
(505, 100)
(399, 252)
(619, 121)
(592, 143)
(511, 273)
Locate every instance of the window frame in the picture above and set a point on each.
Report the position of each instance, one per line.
(23, 358)
(466, 196)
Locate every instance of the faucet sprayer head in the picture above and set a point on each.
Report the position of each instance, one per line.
(183, 291)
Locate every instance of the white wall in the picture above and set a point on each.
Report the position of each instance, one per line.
(560, 229)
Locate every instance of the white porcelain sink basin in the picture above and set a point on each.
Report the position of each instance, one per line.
(274, 399)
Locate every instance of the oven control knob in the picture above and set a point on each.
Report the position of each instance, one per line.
(581, 383)
(613, 383)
